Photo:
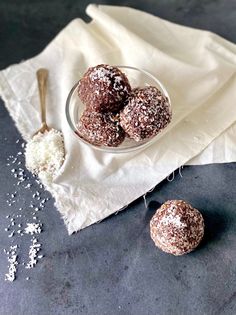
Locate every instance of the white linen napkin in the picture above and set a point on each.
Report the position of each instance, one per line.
(198, 70)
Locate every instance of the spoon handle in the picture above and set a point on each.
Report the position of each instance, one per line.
(42, 77)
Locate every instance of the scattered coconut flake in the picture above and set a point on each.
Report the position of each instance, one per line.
(33, 253)
(33, 228)
(11, 234)
(12, 267)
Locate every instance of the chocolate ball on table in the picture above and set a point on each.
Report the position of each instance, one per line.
(100, 128)
(177, 228)
(148, 112)
(104, 88)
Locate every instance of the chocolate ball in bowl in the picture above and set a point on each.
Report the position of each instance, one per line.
(104, 88)
(147, 112)
(177, 228)
(100, 128)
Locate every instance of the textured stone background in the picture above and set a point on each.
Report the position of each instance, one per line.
(113, 267)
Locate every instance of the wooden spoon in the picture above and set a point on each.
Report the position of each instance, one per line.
(42, 77)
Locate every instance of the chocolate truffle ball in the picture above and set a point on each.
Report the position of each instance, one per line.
(146, 114)
(104, 88)
(177, 228)
(100, 128)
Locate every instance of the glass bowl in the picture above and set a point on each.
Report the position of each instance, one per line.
(75, 108)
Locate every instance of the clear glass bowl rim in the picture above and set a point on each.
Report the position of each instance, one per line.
(137, 145)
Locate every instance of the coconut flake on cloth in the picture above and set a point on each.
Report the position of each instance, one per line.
(198, 69)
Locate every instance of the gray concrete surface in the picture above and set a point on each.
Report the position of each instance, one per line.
(113, 267)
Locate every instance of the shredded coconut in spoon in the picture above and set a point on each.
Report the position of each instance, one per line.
(44, 154)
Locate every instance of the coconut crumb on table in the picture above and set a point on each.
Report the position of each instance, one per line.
(33, 228)
(33, 253)
(44, 155)
(11, 234)
(16, 228)
(12, 260)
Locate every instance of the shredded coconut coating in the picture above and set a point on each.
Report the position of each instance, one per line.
(177, 228)
(104, 88)
(146, 114)
(101, 129)
(44, 154)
